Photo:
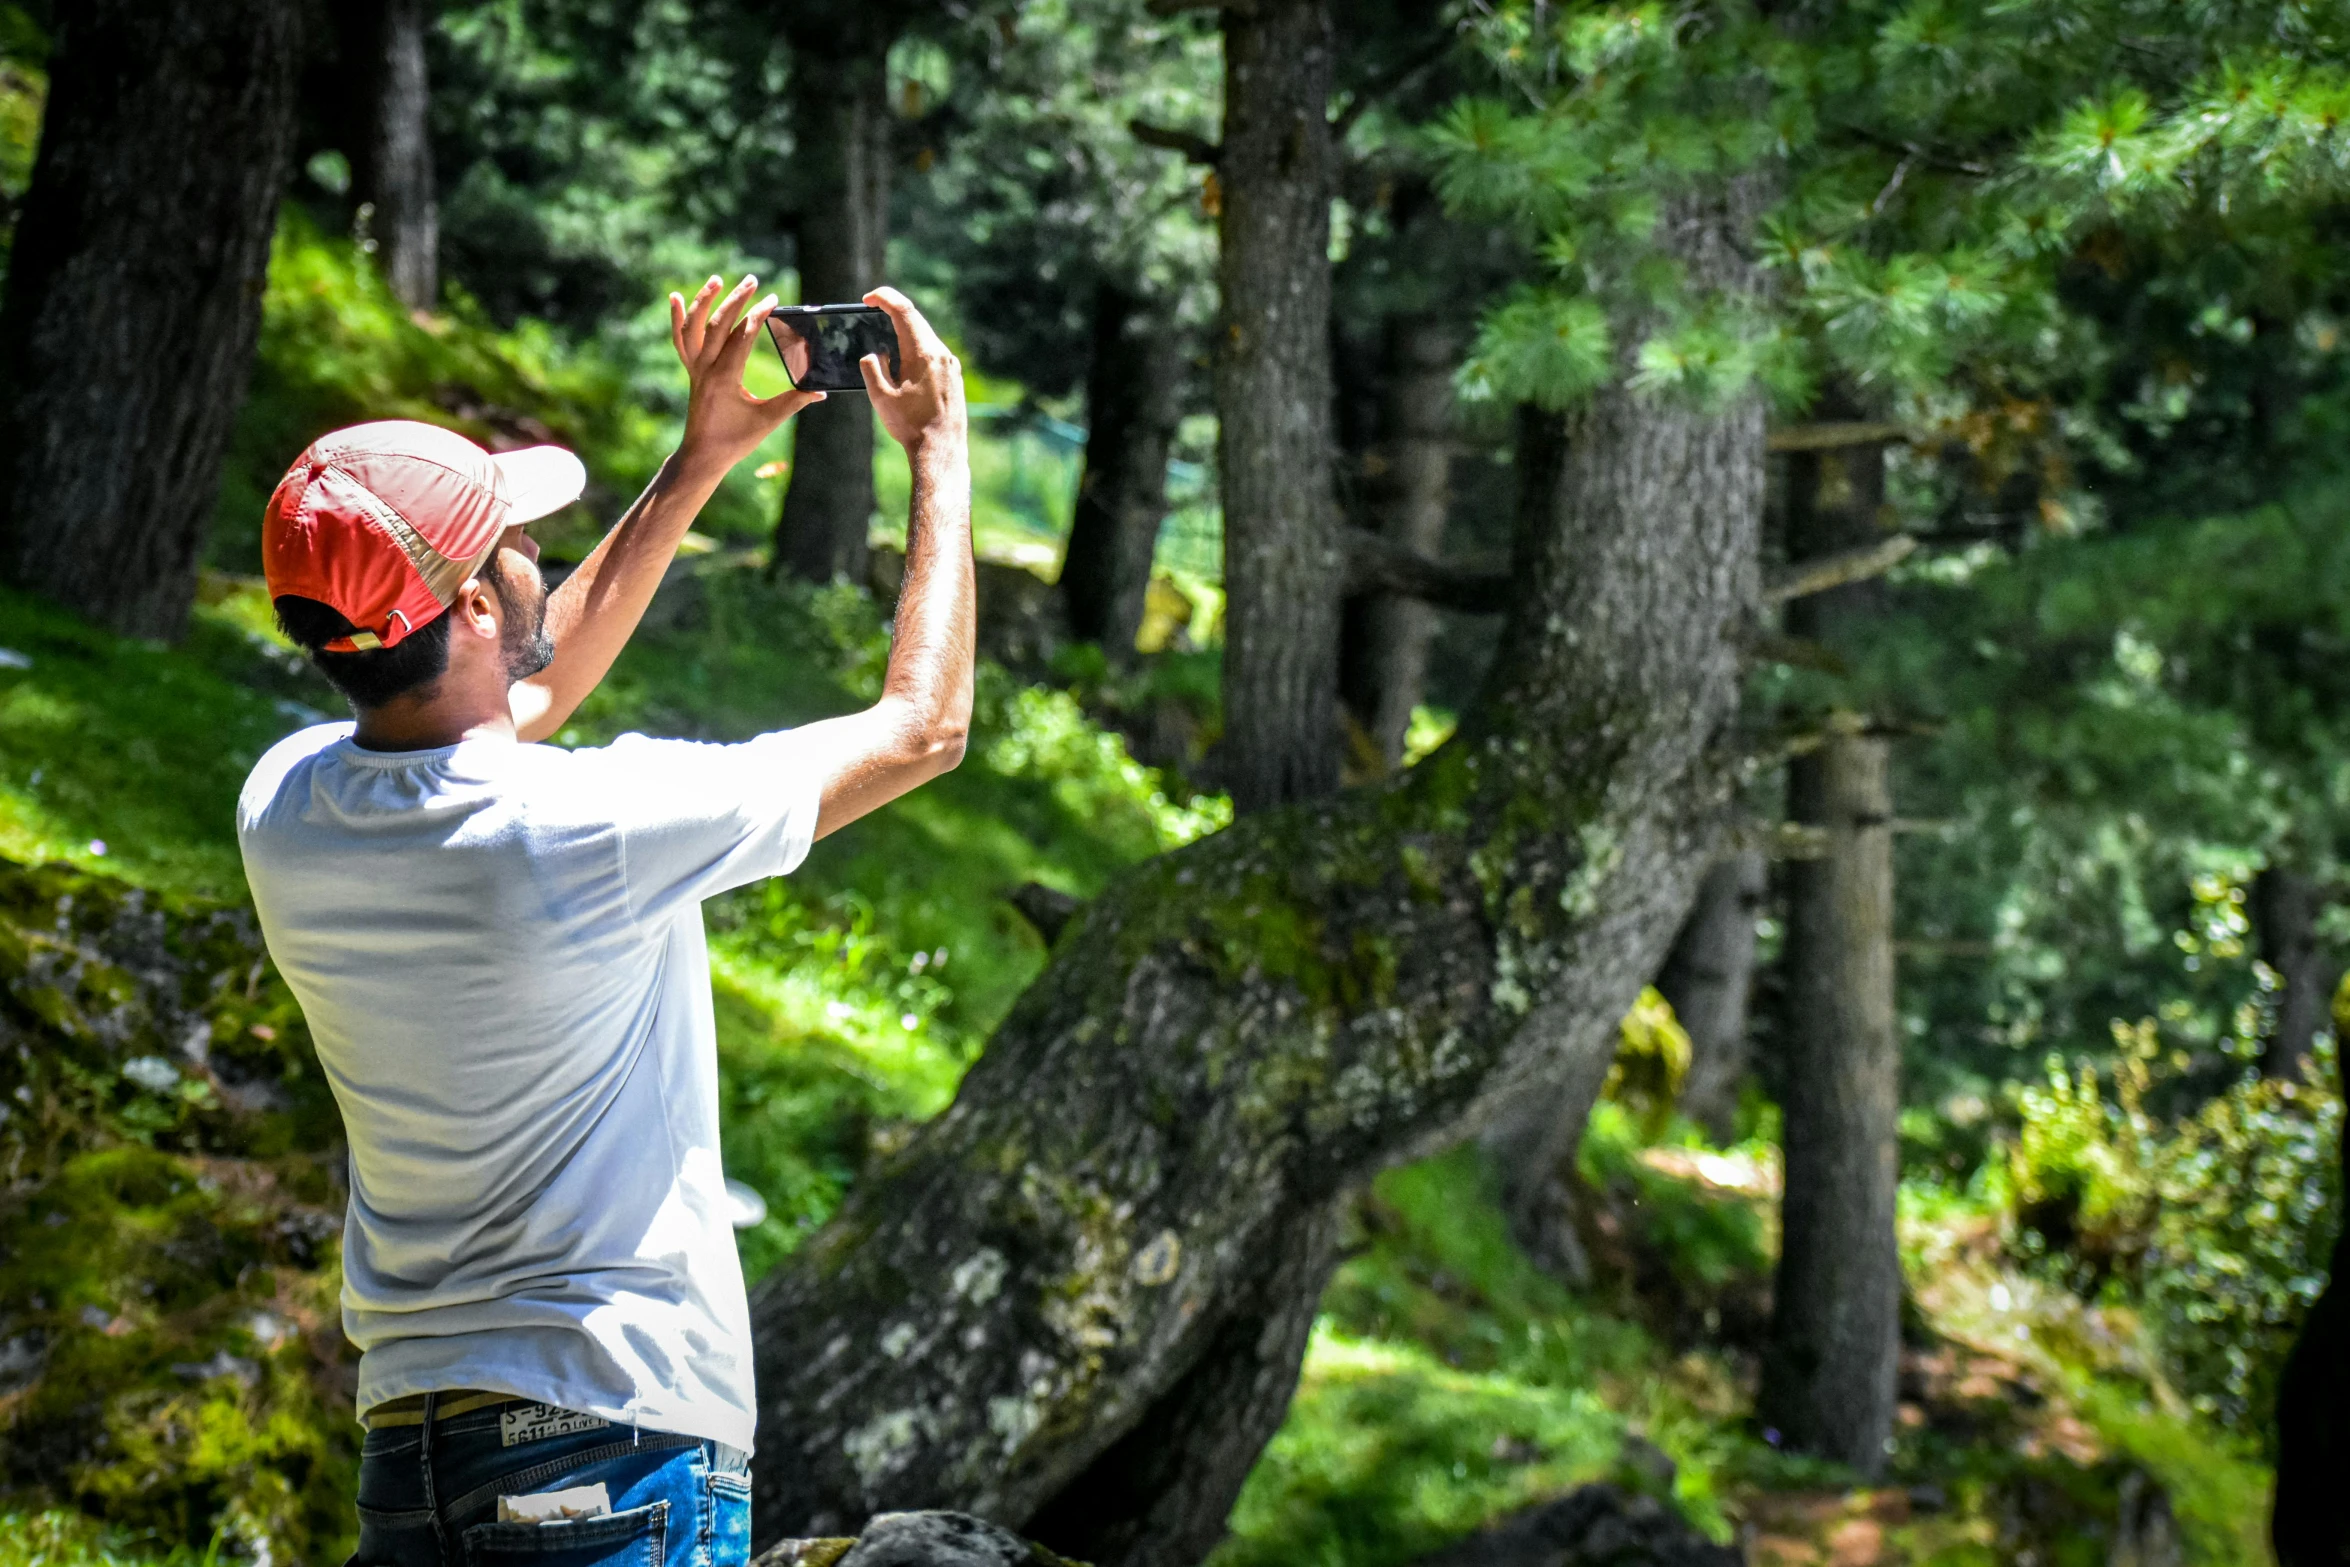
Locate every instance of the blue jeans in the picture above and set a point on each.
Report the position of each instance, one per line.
(428, 1493)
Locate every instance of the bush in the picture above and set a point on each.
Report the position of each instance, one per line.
(2217, 1222)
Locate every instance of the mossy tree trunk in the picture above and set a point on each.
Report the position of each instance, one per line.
(1282, 572)
(1383, 664)
(134, 296)
(1708, 978)
(1076, 1301)
(1133, 401)
(841, 126)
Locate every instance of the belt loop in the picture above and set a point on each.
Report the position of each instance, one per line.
(432, 1502)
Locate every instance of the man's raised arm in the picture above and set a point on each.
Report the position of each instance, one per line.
(592, 615)
(916, 731)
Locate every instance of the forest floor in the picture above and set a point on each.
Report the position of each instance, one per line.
(1448, 1382)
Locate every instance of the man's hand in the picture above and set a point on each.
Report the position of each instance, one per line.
(724, 423)
(927, 402)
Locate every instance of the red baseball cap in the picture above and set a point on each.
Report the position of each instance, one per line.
(385, 522)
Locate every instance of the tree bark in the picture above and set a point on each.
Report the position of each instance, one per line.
(134, 296)
(394, 170)
(1383, 664)
(841, 124)
(2309, 1525)
(1282, 570)
(1708, 977)
(1040, 1309)
(1533, 1146)
(1828, 1372)
(1133, 400)
(2285, 908)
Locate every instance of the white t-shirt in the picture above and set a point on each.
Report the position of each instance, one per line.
(499, 950)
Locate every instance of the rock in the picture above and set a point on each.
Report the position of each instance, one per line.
(1595, 1526)
(917, 1540)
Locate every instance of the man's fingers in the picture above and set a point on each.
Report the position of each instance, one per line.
(916, 338)
(877, 381)
(677, 323)
(697, 320)
(737, 351)
(784, 404)
(730, 308)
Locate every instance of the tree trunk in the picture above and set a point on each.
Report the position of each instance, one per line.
(1828, 1373)
(1533, 1146)
(1707, 977)
(1042, 1307)
(134, 296)
(1384, 662)
(2310, 1527)
(1282, 571)
(1133, 400)
(2285, 908)
(840, 119)
(394, 171)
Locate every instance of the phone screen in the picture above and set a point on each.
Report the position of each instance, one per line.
(821, 344)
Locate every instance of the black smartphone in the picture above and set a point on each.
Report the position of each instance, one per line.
(821, 344)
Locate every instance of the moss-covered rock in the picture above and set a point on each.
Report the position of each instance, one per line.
(171, 1355)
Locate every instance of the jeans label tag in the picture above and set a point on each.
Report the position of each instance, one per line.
(537, 1422)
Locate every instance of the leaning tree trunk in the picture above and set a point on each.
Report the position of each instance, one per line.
(1828, 1372)
(134, 296)
(394, 172)
(1281, 563)
(2285, 907)
(840, 120)
(1708, 977)
(1079, 1298)
(1384, 661)
(1133, 401)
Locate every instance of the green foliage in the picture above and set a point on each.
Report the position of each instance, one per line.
(2218, 1221)
(131, 756)
(1950, 187)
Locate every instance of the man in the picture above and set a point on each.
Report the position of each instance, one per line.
(499, 948)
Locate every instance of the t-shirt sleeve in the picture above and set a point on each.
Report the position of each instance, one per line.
(696, 819)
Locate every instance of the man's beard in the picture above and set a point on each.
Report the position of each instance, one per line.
(523, 641)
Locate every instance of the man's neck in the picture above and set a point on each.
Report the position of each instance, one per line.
(429, 725)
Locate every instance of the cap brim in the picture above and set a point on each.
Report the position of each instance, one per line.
(540, 481)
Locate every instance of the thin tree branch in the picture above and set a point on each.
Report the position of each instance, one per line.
(1834, 436)
(1195, 148)
(1823, 572)
(1380, 565)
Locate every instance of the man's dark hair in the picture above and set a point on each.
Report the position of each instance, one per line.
(371, 679)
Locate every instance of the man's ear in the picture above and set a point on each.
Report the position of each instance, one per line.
(477, 608)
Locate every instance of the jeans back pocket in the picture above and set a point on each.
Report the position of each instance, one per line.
(636, 1538)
